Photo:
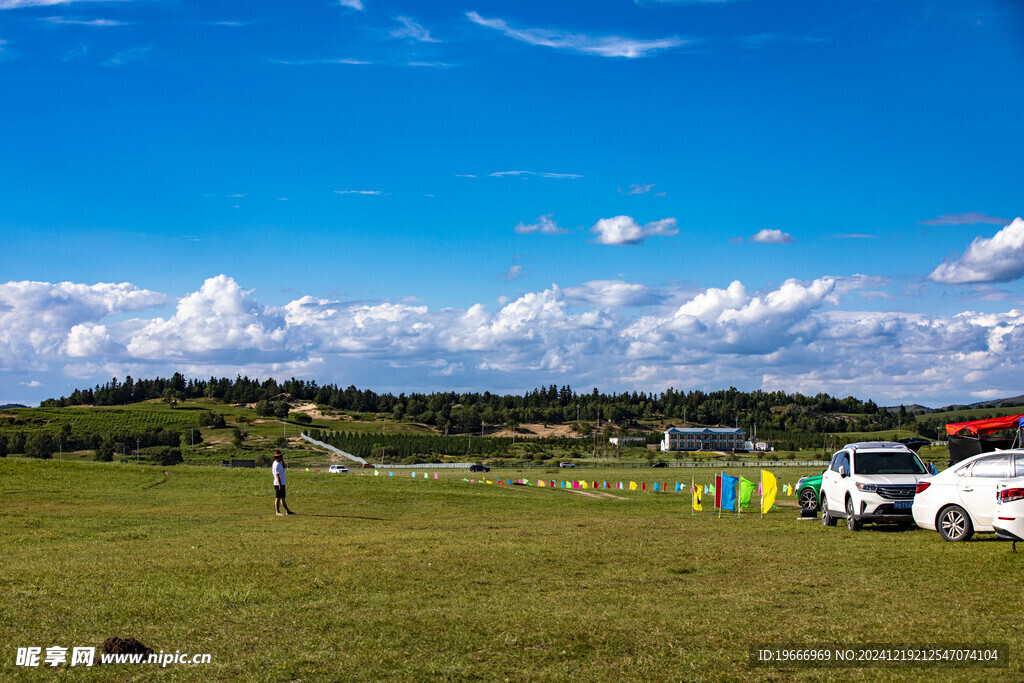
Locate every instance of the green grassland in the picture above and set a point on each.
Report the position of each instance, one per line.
(407, 579)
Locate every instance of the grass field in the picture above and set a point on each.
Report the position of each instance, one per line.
(394, 578)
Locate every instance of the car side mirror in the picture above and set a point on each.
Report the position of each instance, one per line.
(842, 471)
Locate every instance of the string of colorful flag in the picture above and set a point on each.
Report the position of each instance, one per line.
(731, 494)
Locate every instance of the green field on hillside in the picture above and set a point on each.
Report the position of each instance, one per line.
(406, 579)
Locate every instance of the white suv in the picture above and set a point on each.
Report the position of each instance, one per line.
(871, 481)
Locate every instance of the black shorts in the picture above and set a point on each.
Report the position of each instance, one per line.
(279, 491)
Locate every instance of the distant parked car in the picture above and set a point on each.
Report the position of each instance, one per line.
(567, 464)
(1008, 514)
(960, 501)
(479, 467)
(338, 469)
(808, 491)
(368, 465)
(659, 464)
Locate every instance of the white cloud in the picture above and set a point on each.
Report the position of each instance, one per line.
(771, 236)
(620, 230)
(83, 22)
(37, 317)
(220, 321)
(999, 258)
(502, 174)
(544, 226)
(371, 192)
(797, 336)
(969, 218)
(603, 46)
(309, 62)
(512, 273)
(18, 4)
(637, 188)
(413, 30)
(612, 294)
(353, 4)
(128, 56)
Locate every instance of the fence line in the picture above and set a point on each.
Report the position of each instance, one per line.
(332, 449)
(580, 465)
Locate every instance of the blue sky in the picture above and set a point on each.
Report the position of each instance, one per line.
(803, 196)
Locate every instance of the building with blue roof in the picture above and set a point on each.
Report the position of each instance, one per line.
(704, 439)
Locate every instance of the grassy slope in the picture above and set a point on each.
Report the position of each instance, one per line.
(394, 578)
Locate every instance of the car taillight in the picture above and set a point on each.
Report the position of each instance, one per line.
(1010, 495)
(922, 486)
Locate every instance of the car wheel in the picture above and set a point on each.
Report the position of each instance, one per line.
(954, 524)
(851, 519)
(826, 518)
(808, 501)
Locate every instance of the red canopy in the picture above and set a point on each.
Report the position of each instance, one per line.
(988, 426)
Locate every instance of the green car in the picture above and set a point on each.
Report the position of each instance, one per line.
(808, 492)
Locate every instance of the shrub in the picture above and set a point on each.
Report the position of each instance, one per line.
(210, 419)
(40, 445)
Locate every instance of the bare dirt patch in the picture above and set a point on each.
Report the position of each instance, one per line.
(536, 431)
(310, 409)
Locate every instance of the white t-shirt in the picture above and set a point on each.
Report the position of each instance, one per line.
(278, 469)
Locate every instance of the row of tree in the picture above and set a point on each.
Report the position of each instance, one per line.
(454, 412)
(44, 444)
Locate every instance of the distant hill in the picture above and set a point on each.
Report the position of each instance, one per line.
(12, 405)
(919, 409)
(1000, 402)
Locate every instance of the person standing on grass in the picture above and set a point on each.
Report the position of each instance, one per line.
(278, 469)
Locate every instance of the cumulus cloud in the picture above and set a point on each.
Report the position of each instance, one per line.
(620, 230)
(579, 43)
(771, 236)
(36, 318)
(413, 30)
(544, 226)
(999, 258)
(795, 336)
(220, 321)
(969, 218)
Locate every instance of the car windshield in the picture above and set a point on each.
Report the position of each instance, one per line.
(888, 463)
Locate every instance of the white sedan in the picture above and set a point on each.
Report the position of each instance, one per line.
(338, 469)
(960, 500)
(1008, 515)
